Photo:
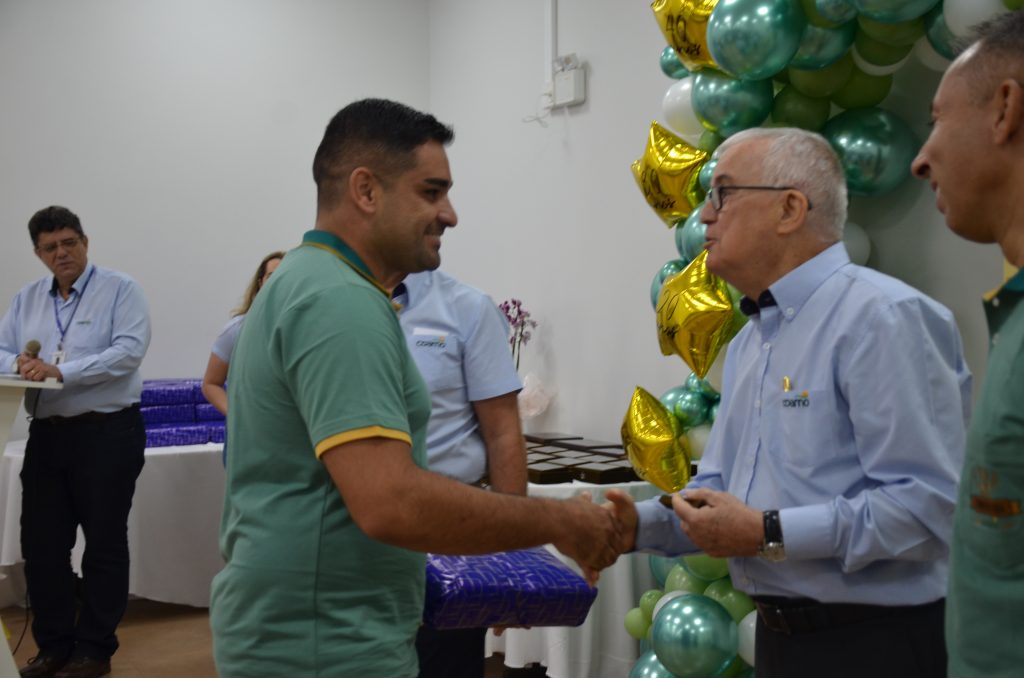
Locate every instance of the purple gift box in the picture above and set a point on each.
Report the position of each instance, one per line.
(168, 392)
(155, 415)
(207, 412)
(180, 434)
(215, 431)
(515, 588)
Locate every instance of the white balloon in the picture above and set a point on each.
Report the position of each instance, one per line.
(698, 438)
(962, 15)
(677, 109)
(928, 57)
(857, 242)
(872, 69)
(747, 627)
(664, 599)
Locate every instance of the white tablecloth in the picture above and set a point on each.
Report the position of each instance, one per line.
(600, 647)
(172, 527)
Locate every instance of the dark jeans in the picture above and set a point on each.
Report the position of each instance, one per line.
(900, 642)
(458, 653)
(79, 471)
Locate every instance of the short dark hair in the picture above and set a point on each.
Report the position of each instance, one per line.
(53, 218)
(1000, 54)
(375, 133)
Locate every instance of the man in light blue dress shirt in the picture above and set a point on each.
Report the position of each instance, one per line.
(830, 476)
(459, 340)
(86, 443)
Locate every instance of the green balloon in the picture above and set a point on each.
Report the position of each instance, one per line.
(820, 47)
(648, 666)
(667, 271)
(691, 409)
(709, 141)
(702, 386)
(695, 636)
(668, 399)
(680, 579)
(689, 235)
(636, 623)
(737, 603)
(814, 17)
(863, 90)
(754, 39)
(893, 11)
(875, 149)
(838, 11)
(660, 567)
(707, 172)
(727, 105)
(670, 64)
(900, 34)
(705, 567)
(878, 53)
(648, 600)
(793, 109)
(1013, 4)
(940, 37)
(737, 668)
(822, 82)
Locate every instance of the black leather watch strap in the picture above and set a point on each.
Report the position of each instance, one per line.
(772, 528)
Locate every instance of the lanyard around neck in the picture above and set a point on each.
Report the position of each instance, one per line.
(78, 302)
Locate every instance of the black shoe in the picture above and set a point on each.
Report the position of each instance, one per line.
(84, 667)
(42, 666)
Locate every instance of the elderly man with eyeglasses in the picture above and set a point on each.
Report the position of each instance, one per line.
(830, 476)
(89, 327)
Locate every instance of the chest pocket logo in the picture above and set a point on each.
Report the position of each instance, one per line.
(427, 337)
(797, 400)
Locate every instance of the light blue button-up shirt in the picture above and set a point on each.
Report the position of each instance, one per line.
(459, 340)
(861, 454)
(107, 321)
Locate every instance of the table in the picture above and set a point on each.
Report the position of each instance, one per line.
(172, 528)
(600, 647)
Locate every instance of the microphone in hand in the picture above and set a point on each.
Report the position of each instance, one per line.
(32, 349)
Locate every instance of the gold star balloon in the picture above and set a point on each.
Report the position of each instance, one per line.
(668, 173)
(658, 451)
(685, 25)
(695, 315)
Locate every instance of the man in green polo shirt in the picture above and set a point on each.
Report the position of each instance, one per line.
(974, 159)
(328, 508)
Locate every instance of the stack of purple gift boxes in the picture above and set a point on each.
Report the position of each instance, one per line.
(176, 413)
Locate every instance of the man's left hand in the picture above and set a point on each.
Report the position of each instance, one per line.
(718, 523)
(34, 369)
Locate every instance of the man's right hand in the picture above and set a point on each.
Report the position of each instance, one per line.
(590, 535)
(621, 505)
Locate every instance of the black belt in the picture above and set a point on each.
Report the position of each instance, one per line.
(85, 417)
(803, 615)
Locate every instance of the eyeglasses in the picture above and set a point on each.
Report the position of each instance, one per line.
(66, 243)
(717, 193)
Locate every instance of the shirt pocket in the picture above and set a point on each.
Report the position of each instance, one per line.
(989, 520)
(438, 356)
(805, 425)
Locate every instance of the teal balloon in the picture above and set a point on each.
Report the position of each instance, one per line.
(939, 36)
(702, 386)
(737, 668)
(707, 172)
(667, 271)
(669, 398)
(754, 39)
(660, 567)
(875, 148)
(893, 11)
(694, 637)
(726, 105)
(671, 65)
(737, 603)
(680, 579)
(822, 82)
(690, 235)
(705, 567)
(646, 645)
(820, 47)
(837, 11)
(794, 109)
(648, 666)
(712, 413)
(691, 409)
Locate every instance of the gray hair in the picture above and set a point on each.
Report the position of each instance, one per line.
(806, 161)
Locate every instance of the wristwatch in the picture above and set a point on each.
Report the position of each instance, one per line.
(772, 547)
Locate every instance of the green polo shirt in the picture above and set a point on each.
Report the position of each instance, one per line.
(985, 606)
(321, 360)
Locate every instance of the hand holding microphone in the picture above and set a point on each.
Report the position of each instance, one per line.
(30, 367)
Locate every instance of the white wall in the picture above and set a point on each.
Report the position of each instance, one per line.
(182, 133)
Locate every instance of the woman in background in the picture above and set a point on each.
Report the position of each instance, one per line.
(220, 355)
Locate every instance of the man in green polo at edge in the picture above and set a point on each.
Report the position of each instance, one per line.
(328, 506)
(974, 161)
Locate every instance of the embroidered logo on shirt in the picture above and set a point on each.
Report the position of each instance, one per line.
(427, 337)
(802, 400)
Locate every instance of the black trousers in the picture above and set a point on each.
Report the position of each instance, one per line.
(79, 471)
(457, 653)
(850, 641)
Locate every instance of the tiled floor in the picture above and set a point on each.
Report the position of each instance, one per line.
(170, 641)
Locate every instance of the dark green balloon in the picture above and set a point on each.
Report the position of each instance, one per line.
(691, 409)
(893, 11)
(709, 141)
(878, 53)
(814, 17)
(837, 11)
(648, 666)
(668, 399)
(754, 39)
(940, 37)
(903, 34)
(727, 105)
(822, 82)
(694, 636)
(820, 47)
(793, 109)
(670, 64)
(863, 90)
(875, 149)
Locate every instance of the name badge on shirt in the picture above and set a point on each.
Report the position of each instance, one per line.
(429, 337)
(58, 357)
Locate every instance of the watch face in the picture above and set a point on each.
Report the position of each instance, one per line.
(773, 551)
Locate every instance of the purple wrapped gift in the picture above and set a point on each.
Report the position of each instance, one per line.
(168, 392)
(515, 588)
(181, 434)
(155, 415)
(207, 412)
(215, 430)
